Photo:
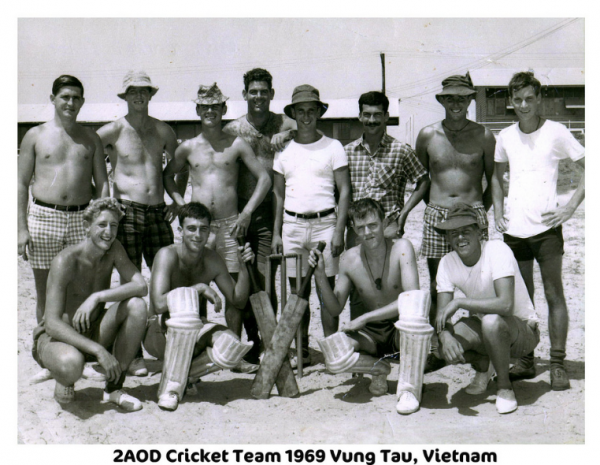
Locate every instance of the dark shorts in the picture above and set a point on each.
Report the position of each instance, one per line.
(527, 339)
(260, 232)
(41, 338)
(383, 334)
(143, 231)
(155, 341)
(543, 246)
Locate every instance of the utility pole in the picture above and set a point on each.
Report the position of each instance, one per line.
(382, 56)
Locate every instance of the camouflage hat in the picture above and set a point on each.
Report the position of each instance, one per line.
(457, 85)
(210, 95)
(461, 214)
(137, 79)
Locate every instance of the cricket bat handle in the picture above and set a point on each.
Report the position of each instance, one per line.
(306, 281)
(254, 286)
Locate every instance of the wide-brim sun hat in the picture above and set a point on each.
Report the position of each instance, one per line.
(137, 79)
(302, 94)
(457, 85)
(459, 215)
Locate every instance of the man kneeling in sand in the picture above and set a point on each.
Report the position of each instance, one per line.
(502, 323)
(380, 270)
(179, 268)
(78, 324)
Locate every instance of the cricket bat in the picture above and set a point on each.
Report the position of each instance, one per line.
(282, 338)
(265, 317)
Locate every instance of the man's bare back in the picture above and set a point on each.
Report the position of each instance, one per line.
(61, 162)
(457, 161)
(136, 155)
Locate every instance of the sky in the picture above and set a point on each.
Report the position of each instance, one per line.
(341, 57)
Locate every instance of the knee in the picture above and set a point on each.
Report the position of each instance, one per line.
(493, 324)
(136, 310)
(69, 367)
(554, 296)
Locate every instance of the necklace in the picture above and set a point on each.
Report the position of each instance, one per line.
(378, 283)
(454, 132)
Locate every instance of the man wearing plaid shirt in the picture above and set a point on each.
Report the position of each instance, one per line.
(380, 166)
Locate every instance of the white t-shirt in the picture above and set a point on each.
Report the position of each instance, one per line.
(533, 160)
(477, 281)
(308, 171)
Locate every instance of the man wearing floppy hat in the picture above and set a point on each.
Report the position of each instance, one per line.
(135, 144)
(457, 153)
(502, 323)
(306, 173)
(213, 158)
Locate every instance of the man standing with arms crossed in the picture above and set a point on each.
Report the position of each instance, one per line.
(64, 157)
(306, 174)
(533, 147)
(135, 145)
(457, 153)
(266, 132)
(214, 158)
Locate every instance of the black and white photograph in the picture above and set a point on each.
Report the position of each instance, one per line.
(328, 231)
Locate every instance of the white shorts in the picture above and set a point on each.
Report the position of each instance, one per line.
(300, 236)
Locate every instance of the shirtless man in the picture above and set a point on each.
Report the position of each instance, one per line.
(64, 157)
(266, 132)
(214, 158)
(379, 269)
(191, 264)
(78, 324)
(135, 145)
(457, 153)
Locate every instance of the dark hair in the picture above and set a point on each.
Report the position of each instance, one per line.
(98, 206)
(521, 80)
(361, 208)
(66, 81)
(374, 98)
(194, 210)
(258, 74)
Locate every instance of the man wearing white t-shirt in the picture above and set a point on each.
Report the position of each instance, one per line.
(532, 229)
(307, 172)
(502, 322)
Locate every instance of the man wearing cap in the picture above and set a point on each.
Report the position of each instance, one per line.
(306, 173)
(534, 147)
(502, 323)
(457, 153)
(214, 158)
(63, 157)
(266, 132)
(135, 144)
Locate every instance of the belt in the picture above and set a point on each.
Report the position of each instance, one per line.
(310, 216)
(62, 208)
(142, 206)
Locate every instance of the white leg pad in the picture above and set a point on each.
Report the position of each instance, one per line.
(338, 352)
(183, 300)
(228, 351)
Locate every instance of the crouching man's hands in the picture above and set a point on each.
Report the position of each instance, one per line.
(316, 260)
(451, 349)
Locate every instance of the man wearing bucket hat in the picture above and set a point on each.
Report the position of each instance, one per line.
(306, 173)
(457, 153)
(379, 269)
(502, 322)
(135, 144)
(213, 158)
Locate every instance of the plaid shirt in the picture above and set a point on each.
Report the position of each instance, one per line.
(383, 175)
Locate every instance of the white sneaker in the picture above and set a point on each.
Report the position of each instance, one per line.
(480, 381)
(89, 372)
(137, 367)
(407, 403)
(41, 376)
(123, 400)
(64, 394)
(506, 402)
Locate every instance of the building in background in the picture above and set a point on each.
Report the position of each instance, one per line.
(339, 122)
(563, 97)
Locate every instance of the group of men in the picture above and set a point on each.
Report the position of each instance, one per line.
(280, 183)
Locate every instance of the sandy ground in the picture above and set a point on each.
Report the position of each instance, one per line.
(332, 409)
